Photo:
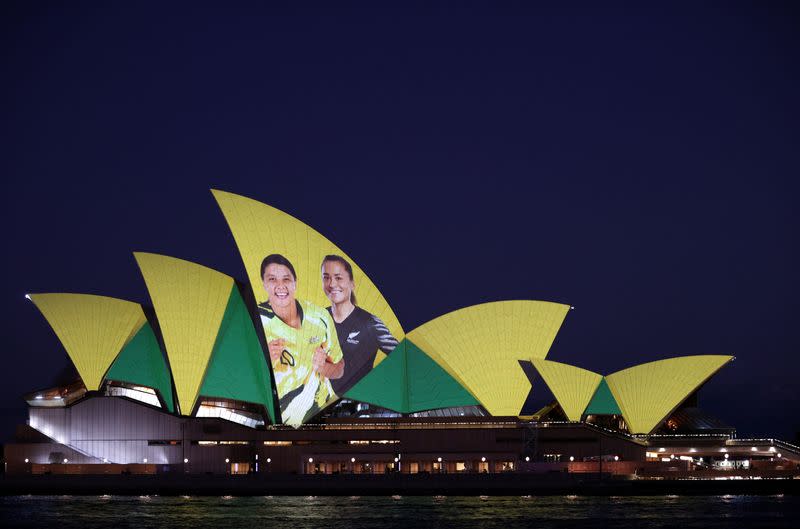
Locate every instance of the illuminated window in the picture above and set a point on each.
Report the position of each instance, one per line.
(242, 417)
(138, 393)
(240, 468)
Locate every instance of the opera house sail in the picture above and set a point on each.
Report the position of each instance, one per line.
(303, 367)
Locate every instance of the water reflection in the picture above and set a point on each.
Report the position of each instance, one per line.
(468, 512)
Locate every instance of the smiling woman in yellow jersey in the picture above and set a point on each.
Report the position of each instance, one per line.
(303, 347)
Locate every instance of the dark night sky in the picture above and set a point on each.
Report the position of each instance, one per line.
(638, 163)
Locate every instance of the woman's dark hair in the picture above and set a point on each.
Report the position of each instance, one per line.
(348, 269)
(276, 258)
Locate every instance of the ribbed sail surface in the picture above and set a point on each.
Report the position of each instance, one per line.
(141, 362)
(190, 301)
(572, 386)
(480, 346)
(649, 392)
(603, 402)
(93, 329)
(409, 381)
(386, 385)
(238, 368)
(260, 230)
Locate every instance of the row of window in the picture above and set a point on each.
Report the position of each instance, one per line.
(301, 442)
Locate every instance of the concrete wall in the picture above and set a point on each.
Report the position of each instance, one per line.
(98, 430)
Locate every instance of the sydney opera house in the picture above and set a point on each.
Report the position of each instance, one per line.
(304, 368)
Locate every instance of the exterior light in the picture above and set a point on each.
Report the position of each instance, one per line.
(310, 459)
(726, 456)
(771, 448)
(269, 460)
(483, 460)
(439, 459)
(185, 460)
(672, 456)
(26, 459)
(527, 458)
(28, 297)
(256, 457)
(779, 455)
(396, 460)
(616, 458)
(144, 460)
(571, 458)
(754, 449)
(662, 449)
(227, 460)
(66, 460)
(352, 459)
(723, 450)
(105, 460)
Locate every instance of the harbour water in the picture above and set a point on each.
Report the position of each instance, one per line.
(410, 512)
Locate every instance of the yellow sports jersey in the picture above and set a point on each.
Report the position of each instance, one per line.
(302, 392)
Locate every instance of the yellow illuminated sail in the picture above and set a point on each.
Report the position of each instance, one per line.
(480, 346)
(190, 301)
(260, 230)
(93, 329)
(649, 392)
(572, 386)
